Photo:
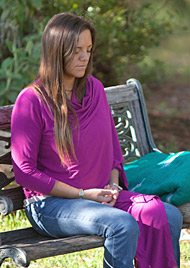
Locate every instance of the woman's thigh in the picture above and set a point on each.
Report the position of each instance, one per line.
(60, 217)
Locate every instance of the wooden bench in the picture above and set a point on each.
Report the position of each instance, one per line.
(23, 245)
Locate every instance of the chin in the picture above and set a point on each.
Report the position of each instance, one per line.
(80, 75)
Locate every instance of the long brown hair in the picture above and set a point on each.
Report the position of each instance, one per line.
(59, 43)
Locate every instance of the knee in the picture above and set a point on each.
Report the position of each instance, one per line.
(128, 225)
(174, 216)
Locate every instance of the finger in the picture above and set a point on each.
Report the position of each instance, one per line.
(106, 198)
(115, 195)
(110, 204)
(106, 192)
(107, 204)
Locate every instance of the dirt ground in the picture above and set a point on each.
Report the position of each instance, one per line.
(169, 113)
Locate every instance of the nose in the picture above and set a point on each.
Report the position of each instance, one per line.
(84, 56)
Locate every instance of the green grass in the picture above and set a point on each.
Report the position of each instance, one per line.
(185, 254)
(84, 259)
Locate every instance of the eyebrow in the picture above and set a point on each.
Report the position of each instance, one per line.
(87, 46)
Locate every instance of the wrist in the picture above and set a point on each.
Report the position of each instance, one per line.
(116, 185)
(81, 193)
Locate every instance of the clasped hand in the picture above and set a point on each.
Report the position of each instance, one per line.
(107, 196)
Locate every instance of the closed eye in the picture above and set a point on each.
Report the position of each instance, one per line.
(78, 49)
(88, 51)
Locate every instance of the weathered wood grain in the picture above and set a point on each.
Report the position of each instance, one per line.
(185, 211)
(38, 246)
(15, 194)
(121, 94)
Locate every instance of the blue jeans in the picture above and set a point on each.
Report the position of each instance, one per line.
(60, 217)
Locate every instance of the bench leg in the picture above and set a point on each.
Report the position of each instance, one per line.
(18, 255)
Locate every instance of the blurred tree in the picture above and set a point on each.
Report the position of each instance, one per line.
(126, 29)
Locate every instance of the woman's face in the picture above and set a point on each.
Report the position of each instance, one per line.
(77, 66)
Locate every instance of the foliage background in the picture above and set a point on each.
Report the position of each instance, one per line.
(146, 39)
(126, 32)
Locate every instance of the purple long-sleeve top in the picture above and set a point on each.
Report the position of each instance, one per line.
(37, 165)
(36, 162)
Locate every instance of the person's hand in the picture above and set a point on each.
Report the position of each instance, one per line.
(104, 196)
(115, 195)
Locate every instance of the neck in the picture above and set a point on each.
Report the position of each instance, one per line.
(69, 83)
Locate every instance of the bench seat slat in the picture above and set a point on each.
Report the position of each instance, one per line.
(37, 246)
(16, 235)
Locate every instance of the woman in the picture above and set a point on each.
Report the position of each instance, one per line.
(67, 156)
